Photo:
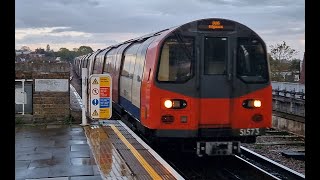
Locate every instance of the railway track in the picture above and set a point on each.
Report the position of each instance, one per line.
(228, 167)
(246, 166)
(272, 167)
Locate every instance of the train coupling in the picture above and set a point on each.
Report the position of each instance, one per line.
(217, 148)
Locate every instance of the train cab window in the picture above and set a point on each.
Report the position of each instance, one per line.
(251, 61)
(177, 56)
(215, 55)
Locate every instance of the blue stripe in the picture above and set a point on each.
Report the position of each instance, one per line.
(128, 106)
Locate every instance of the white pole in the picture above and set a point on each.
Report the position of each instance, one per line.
(23, 96)
(84, 96)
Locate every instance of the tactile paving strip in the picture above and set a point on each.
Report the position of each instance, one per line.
(109, 161)
(134, 168)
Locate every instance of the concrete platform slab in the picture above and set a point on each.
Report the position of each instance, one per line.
(120, 154)
(47, 154)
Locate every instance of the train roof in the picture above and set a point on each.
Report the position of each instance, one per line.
(200, 25)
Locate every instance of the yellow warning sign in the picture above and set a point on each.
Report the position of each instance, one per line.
(95, 113)
(105, 81)
(95, 81)
(105, 113)
(100, 100)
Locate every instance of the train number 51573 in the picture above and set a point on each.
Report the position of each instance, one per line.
(249, 132)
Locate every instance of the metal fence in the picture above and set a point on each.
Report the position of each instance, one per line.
(289, 98)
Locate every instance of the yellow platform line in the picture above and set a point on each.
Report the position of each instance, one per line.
(142, 161)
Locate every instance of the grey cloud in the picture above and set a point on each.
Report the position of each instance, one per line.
(29, 39)
(249, 3)
(143, 16)
(275, 18)
(58, 30)
(72, 2)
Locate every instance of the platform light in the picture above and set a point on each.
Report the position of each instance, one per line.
(168, 104)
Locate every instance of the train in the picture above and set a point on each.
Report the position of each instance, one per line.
(204, 85)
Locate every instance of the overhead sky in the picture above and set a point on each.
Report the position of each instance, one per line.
(100, 23)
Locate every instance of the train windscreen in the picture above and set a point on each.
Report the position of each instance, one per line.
(252, 65)
(176, 59)
(215, 55)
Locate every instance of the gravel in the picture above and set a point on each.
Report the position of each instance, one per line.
(272, 146)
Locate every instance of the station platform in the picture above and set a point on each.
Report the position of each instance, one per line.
(119, 153)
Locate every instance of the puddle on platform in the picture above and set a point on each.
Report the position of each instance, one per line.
(107, 158)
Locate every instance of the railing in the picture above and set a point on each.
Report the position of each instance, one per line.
(289, 98)
(288, 89)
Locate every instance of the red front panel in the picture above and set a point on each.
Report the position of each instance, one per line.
(214, 113)
(242, 117)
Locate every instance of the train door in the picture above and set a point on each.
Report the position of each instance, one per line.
(138, 72)
(126, 79)
(215, 81)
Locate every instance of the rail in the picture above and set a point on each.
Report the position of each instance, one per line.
(272, 167)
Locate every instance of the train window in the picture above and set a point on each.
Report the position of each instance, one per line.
(176, 59)
(215, 55)
(251, 61)
(141, 57)
(110, 58)
(130, 60)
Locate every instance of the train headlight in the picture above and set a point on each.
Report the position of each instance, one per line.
(175, 103)
(257, 103)
(168, 104)
(251, 103)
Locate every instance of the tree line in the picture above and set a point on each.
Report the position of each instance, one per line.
(64, 53)
(283, 65)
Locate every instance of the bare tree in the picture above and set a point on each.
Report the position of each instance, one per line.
(282, 52)
(282, 61)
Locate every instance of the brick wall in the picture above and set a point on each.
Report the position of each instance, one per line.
(48, 107)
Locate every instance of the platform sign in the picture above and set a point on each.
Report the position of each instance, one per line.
(100, 96)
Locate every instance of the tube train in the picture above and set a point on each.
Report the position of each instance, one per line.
(204, 84)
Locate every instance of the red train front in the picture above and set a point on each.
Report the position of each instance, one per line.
(205, 83)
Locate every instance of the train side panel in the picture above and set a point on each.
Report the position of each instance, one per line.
(138, 74)
(147, 86)
(99, 62)
(126, 79)
(116, 61)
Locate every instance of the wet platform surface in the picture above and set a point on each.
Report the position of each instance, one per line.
(120, 154)
(107, 150)
(104, 150)
(53, 151)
